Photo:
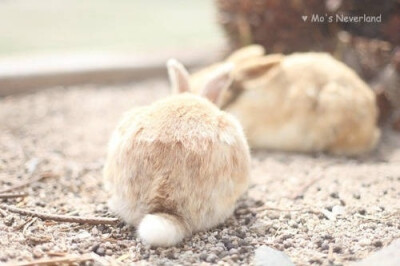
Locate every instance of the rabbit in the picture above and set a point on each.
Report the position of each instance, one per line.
(304, 102)
(179, 165)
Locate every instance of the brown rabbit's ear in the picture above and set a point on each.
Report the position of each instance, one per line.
(217, 83)
(178, 76)
(256, 67)
(247, 52)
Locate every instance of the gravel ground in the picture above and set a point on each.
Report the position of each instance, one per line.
(318, 209)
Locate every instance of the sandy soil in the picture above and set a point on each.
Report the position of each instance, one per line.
(349, 210)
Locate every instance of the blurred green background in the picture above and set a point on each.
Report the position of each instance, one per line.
(54, 26)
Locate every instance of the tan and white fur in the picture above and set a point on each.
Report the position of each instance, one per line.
(304, 102)
(179, 165)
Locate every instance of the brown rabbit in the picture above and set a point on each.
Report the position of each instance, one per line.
(179, 165)
(303, 102)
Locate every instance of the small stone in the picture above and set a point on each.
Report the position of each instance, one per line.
(334, 195)
(211, 258)
(235, 257)
(329, 215)
(37, 253)
(356, 196)
(315, 261)
(223, 254)
(109, 252)
(100, 251)
(268, 256)
(229, 245)
(362, 211)
(378, 244)
(364, 242)
(242, 250)
(9, 220)
(95, 247)
(203, 256)
(293, 224)
(327, 237)
(287, 245)
(337, 249)
(218, 250)
(286, 236)
(273, 215)
(233, 251)
(95, 231)
(324, 247)
(212, 239)
(338, 210)
(260, 228)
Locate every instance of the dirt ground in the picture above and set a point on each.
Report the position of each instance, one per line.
(349, 210)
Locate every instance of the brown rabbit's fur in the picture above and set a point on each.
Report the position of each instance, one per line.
(177, 166)
(303, 102)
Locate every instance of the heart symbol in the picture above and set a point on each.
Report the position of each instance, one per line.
(304, 18)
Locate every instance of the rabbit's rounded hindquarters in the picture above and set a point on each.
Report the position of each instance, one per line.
(308, 102)
(176, 167)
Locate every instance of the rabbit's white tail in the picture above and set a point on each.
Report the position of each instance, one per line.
(161, 229)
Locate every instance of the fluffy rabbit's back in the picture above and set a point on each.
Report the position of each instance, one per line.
(177, 166)
(308, 102)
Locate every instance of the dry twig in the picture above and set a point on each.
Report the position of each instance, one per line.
(61, 218)
(28, 182)
(12, 195)
(18, 227)
(26, 226)
(267, 208)
(68, 260)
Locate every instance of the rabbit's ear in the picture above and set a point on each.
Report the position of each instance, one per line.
(256, 67)
(178, 76)
(246, 52)
(217, 83)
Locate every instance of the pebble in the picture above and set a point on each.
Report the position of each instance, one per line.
(109, 252)
(203, 256)
(329, 215)
(324, 247)
(337, 249)
(261, 228)
(266, 256)
(218, 250)
(293, 224)
(211, 258)
(334, 195)
(9, 220)
(364, 242)
(378, 244)
(95, 231)
(338, 210)
(235, 257)
(212, 239)
(37, 253)
(362, 211)
(233, 251)
(242, 250)
(273, 215)
(100, 251)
